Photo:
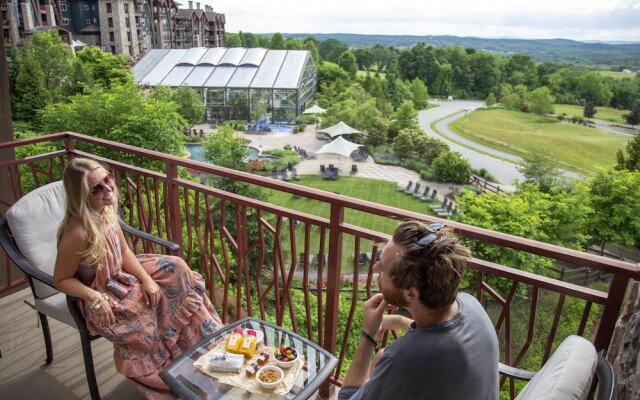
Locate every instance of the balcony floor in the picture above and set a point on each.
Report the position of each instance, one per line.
(23, 372)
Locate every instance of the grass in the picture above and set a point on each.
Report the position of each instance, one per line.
(576, 148)
(606, 113)
(375, 190)
(616, 74)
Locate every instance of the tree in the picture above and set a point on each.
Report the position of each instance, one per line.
(190, 104)
(232, 40)
(515, 100)
(630, 161)
(486, 73)
(420, 93)
(364, 58)
(593, 88)
(311, 45)
(428, 149)
(540, 101)
(589, 110)
(538, 168)
(277, 41)
(521, 70)
(403, 143)
(347, 61)
(54, 58)
(123, 115)
(451, 167)
(31, 94)
(633, 118)
(329, 73)
(615, 199)
(405, 117)
(96, 68)
(331, 49)
(490, 101)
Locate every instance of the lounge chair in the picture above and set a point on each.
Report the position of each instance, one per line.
(416, 190)
(434, 194)
(28, 237)
(408, 188)
(425, 194)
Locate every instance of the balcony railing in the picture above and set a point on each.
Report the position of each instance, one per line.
(256, 256)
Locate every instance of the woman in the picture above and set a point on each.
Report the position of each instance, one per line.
(152, 307)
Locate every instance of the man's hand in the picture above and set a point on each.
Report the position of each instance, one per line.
(373, 312)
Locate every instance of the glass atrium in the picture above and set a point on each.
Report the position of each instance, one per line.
(236, 83)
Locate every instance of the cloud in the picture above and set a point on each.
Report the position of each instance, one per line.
(575, 19)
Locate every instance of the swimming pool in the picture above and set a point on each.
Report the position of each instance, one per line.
(196, 152)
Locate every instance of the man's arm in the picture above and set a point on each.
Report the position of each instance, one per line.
(361, 363)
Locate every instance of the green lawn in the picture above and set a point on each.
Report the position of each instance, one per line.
(379, 191)
(606, 113)
(616, 74)
(577, 148)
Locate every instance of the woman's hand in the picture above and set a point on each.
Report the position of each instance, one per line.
(394, 322)
(103, 315)
(151, 292)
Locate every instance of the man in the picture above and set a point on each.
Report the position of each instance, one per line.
(450, 350)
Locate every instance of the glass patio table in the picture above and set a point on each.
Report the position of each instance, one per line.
(188, 382)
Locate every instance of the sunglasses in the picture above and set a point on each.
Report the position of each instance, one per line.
(100, 187)
(427, 239)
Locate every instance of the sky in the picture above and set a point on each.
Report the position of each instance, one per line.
(604, 20)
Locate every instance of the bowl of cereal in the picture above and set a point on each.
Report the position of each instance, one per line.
(270, 376)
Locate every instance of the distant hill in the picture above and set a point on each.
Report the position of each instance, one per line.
(555, 50)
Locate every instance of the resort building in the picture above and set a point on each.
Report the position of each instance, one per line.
(236, 83)
(130, 27)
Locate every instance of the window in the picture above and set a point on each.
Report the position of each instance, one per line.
(131, 51)
(126, 7)
(93, 7)
(63, 7)
(108, 7)
(111, 37)
(113, 49)
(95, 20)
(65, 21)
(127, 22)
(87, 21)
(110, 22)
(129, 36)
(86, 7)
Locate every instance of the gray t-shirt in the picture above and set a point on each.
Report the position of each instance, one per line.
(455, 359)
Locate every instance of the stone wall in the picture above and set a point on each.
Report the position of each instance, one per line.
(624, 351)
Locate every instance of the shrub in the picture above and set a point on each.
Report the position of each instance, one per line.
(415, 165)
(483, 173)
(237, 124)
(451, 167)
(193, 139)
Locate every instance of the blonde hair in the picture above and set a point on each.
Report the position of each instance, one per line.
(76, 186)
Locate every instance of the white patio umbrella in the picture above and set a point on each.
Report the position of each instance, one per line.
(339, 129)
(339, 146)
(315, 110)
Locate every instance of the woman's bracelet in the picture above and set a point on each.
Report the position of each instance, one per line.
(370, 338)
(98, 302)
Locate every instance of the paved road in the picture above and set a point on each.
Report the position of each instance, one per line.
(505, 172)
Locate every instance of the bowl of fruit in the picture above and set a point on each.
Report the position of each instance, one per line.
(270, 376)
(286, 356)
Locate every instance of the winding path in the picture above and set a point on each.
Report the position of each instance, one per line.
(500, 164)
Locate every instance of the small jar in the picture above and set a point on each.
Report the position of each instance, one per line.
(263, 358)
(252, 369)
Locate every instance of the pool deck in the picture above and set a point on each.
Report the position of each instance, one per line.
(308, 141)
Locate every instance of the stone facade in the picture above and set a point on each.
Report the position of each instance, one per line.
(624, 351)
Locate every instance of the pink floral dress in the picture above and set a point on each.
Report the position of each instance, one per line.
(145, 338)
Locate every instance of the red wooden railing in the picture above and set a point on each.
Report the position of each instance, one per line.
(248, 249)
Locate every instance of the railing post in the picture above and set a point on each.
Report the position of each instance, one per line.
(333, 286)
(611, 311)
(173, 202)
(69, 144)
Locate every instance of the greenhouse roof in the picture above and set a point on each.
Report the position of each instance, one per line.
(222, 67)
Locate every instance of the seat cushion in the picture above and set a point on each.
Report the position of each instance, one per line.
(567, 375)
(34, 221)
(56, 307)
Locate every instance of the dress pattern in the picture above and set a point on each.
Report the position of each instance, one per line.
(146, 338)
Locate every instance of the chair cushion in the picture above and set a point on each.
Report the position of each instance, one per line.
(56, 307)
(567, 375)
(34, 221)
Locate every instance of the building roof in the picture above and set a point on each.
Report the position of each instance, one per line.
(223, 67)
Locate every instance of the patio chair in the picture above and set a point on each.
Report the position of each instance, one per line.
(322, 168)
(354, 168)
(408, 188)
(434, 194)
(416, 190)
(425, 194)
(568, 374)
(28, 236)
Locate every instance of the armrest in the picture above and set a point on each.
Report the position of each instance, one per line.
(517, 373)
(18, 259)
(173, 247)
